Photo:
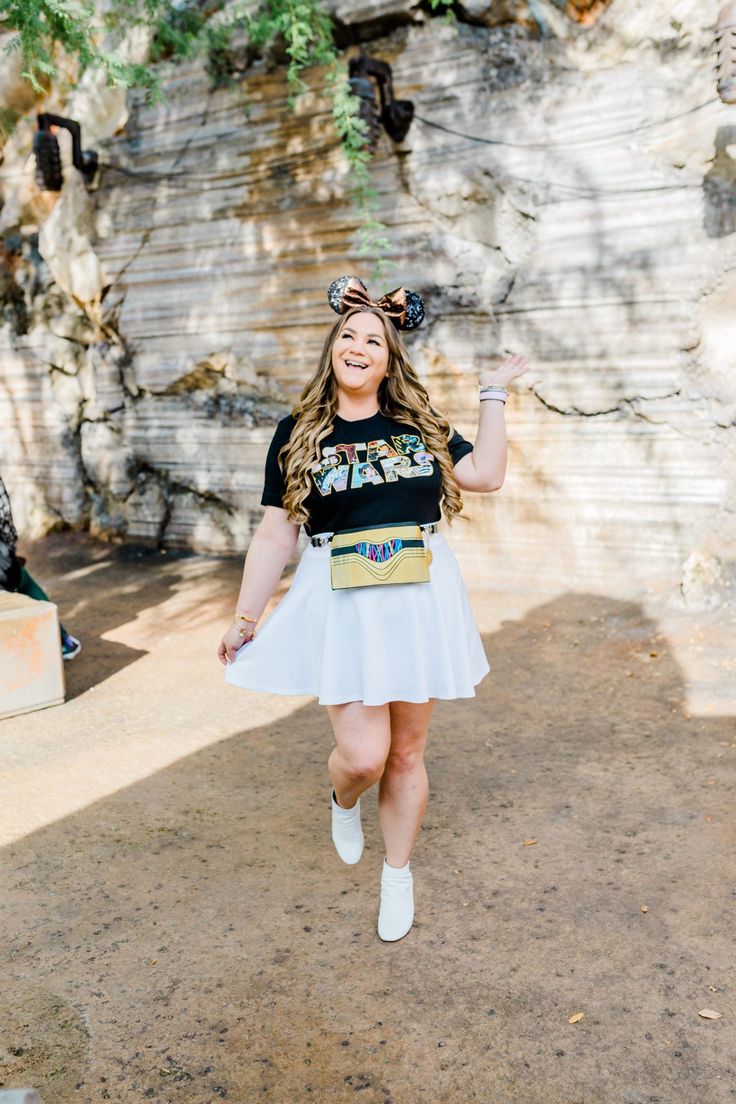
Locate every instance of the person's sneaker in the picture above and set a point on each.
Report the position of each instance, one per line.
(70, 646)
(396, 914)
(347, 834)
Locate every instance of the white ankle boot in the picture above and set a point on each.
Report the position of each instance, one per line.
(396, 914)
(347, 834)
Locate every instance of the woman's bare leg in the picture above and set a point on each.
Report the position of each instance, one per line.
(404, 787)
(362, 738)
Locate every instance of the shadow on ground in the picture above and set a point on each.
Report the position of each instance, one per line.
(193, 937)
(97, 588)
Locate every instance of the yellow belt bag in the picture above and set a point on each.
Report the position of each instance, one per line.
(380, 554)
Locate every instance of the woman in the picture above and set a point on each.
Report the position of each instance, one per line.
(363, 448)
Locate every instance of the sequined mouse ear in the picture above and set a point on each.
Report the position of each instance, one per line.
(404, 308)
(414, 311)
(350, 285)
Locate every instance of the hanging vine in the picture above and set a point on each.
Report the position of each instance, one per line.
(48, 30)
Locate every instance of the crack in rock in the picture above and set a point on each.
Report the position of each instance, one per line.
(177, 487)
(630, 404)
(575, 411)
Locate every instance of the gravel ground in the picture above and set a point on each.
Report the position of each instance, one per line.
(177, 926)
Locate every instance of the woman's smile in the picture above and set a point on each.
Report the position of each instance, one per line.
(360, 357)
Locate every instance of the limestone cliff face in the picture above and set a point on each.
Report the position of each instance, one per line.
(157, 327)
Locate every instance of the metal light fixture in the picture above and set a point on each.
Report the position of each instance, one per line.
(394, 115)
(49, 175)
(726, 53)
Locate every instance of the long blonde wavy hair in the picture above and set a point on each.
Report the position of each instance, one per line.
(401, 396)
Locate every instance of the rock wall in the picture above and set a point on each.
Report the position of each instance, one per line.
(157, 327)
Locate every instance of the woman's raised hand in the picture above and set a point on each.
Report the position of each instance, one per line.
(510, 368)
(231, 642)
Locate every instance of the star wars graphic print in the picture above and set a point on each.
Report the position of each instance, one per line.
(371, 471)
(352, 465)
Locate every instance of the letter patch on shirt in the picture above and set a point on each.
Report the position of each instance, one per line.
(371, 462)
(330, 473)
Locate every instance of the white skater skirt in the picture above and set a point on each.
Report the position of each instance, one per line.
(376, 644)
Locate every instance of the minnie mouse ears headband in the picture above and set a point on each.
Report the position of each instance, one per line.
(404, 308)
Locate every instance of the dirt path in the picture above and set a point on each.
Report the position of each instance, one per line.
(178, 927)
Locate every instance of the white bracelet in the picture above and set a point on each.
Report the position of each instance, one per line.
(490, 398)
(493, 391)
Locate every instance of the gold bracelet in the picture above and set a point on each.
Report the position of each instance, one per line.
(242, 633)
(242, 617)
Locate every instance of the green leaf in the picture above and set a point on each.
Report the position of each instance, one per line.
(46, 30)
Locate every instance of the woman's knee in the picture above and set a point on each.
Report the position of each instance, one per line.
(365, 764)
(406, 757)
(363, 738)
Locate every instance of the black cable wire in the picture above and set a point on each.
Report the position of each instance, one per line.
(589, 191)
(237, 176)
(193, 178)
(515, 145)
(580, 190)
(151, 174)
(179, 177)
(573, 142)
(601, 191)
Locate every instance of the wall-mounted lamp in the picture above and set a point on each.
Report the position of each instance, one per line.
(394, 115)
(49, 175)
(726, 53)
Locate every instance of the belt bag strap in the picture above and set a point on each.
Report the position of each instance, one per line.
(321, 539)
(378, 555)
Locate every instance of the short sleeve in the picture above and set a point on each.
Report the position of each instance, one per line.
(273, 481)
(458, 447)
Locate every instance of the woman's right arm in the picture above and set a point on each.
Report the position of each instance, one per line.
(272, 546)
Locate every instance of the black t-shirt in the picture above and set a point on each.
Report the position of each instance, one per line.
(372, 471)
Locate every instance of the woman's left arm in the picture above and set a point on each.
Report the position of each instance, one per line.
(484, 468)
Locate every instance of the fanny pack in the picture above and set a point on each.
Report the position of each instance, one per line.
(379, 554)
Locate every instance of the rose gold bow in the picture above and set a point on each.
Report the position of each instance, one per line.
(393, 303)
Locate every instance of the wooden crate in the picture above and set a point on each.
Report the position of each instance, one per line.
(31, 667)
